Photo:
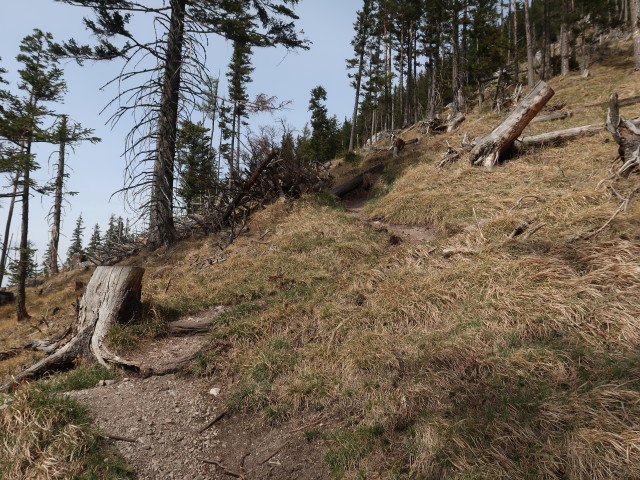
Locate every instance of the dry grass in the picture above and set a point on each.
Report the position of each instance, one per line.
(517, 359)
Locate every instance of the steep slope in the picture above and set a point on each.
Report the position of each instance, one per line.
(473, 353)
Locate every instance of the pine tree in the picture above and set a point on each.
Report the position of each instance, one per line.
(324, 140)
(14, 267)
(196, 160)
(76, 239)
(171, 85)
(21, 121)
(95, 241)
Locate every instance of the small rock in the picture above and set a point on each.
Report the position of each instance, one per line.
(214, 391)
(109, 382)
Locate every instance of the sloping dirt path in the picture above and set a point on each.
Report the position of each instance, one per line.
(164, 424)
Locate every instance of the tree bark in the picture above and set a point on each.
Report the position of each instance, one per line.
(112, 294)
(21, 294)
(626, 135)
(57, 202)
(564, 41)
(636, 34)
(354, 182)
(488, 149)
(570, 113)
(161, 228)
(530, 52)
(7, 229)
(545, 71)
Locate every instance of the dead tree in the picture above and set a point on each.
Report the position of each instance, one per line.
(626, 135)
(113, 294)
(355, 182)
(489, 148)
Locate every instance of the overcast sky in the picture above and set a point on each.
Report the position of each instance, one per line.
(96, 170)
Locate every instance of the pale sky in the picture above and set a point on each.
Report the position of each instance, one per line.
(96, 170)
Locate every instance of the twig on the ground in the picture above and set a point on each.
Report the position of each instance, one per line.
(213, 422)
(275, 452)
(623, 207)
(519, 202)
(534, 230)
(224, 469)
(475, 216)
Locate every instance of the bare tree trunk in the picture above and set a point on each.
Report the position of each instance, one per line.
(455, 78)
(564, 41)
(530, 52)
(545, 71)
(161, 228)
(57, 200)
(401, 75)
(112, 295)
(636, 34)
(516, 60)
(7, 228)
(433, 80)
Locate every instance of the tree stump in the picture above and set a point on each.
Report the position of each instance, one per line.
(112, 294)
(488, 149)
(626, 135)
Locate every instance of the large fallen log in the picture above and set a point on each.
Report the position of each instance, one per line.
(570, 113)
(566, 134)
(112, 294)
(489, 148)
(626, 135)
(354, 182)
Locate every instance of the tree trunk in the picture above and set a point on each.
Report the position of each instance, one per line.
(545, 71)
(23, 263)
(57, 202)
(636, 34)
(7, 229)
(488, 149)
(516, 60)
(161, 228)
(113, 294)
(455, 79)
(354, 117)
(626, 135)
(530, 52)
(354, 182)
(564, 41)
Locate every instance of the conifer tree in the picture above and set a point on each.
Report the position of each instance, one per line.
(76, 239)
(95, 241)
(196, 160)
(184, 26)
(324, 140)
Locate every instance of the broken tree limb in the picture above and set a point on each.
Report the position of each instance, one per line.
(488, 149)
(354, 182)
(626, 135)
(248, 184)
(113, 293)
(570, 113)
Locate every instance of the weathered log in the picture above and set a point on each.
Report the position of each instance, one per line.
(455, 122)
(570, 113)
(626, 135)
(354, 182)
(113, 294)
(566, 134)
(488, 149)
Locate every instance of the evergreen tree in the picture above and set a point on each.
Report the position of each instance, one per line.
(21, 121)
(196, 159)
(14, 268)
(76, 239)
(95, 241)
(325, 136)
(178, 50)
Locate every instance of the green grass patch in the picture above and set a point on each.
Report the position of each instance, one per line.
(79, 378)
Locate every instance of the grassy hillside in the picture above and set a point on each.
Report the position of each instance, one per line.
(475, 356)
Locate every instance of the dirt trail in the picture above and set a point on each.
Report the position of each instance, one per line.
(163, 418)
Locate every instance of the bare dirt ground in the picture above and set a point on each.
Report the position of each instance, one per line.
(164, 425)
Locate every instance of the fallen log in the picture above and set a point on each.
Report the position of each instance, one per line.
(566, 134)
(488, 149)
(112, 294)
(354, 182)
(570, 113)
(626, 135)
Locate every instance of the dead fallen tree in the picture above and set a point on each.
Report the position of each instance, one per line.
(627, 136)
(570, 113)
(355, 182)
(112, 294)
(488, 149)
